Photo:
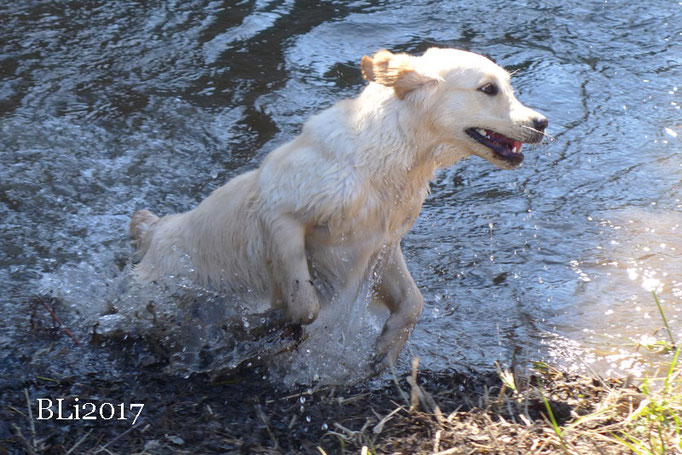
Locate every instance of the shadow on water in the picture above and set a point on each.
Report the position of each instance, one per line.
(107, 108)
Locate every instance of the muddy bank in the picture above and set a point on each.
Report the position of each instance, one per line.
(449, 411)
(240, 414)
(81, 393)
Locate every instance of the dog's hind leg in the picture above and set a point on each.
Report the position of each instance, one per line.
(287, 265)
(398, 291)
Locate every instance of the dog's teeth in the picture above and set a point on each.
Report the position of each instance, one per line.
(514, 149)
(481, 131)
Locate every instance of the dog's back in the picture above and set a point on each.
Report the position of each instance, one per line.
(216, 244)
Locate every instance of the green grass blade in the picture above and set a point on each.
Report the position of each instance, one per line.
(665, 320)
(671, 370)
(626, 444)
(557, 430)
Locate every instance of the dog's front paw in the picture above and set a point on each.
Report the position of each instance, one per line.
(388, 347)
(378, 363)
(304, 305)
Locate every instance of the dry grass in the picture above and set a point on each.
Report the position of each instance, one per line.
(554, 413)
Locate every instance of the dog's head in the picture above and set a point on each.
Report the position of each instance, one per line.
(465, 101)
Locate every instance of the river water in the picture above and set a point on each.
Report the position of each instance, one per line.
(107, 107)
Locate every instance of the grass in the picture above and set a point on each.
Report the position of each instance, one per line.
(659, 346)
(655, 427)
(553, 420)
(555, 413)
(646, 420)
(665, 320)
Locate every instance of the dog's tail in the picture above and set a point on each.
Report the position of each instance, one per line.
(139, 225)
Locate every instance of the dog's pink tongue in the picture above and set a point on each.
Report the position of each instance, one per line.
(511, 143)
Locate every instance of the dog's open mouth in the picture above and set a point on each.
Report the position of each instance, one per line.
(505, 148)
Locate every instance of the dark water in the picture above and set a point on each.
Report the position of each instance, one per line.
(106, 107)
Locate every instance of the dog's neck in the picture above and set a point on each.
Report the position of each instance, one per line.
(408, 152)
(377, 137)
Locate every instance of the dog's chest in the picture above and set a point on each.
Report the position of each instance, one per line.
(342, 252)
(340, 264)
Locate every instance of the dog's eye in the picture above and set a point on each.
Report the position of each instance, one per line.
(489, 89)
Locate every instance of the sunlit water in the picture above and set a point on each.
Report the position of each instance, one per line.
(107, 108)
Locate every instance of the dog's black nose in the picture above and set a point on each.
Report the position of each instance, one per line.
(540, 123)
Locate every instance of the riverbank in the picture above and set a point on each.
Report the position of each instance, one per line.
(539, 411)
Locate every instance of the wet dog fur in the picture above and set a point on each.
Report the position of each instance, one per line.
(325, 213)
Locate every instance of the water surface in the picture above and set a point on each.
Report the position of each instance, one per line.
(107, 107)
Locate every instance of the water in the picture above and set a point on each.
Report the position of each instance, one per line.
(106, 107)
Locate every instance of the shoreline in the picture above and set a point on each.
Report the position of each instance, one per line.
(544, 411)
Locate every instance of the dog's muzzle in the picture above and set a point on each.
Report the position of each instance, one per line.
(504, 148)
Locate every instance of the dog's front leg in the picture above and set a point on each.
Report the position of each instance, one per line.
(398, 291)
(287, 264)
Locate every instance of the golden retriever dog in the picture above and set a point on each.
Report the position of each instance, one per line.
(324, 214)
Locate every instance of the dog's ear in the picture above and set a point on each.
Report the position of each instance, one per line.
(394, 70)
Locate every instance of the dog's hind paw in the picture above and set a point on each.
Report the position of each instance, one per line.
(140, 223)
